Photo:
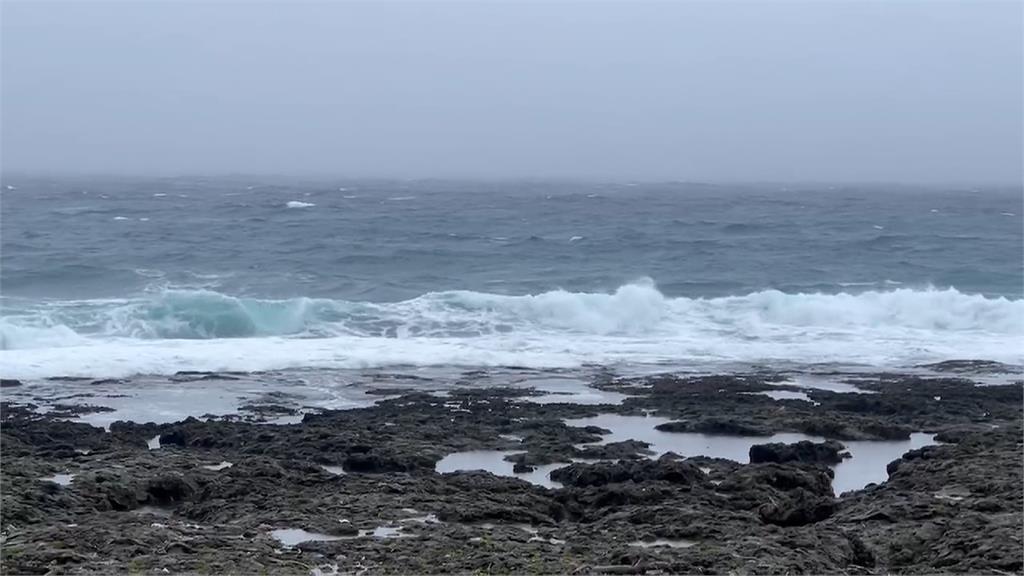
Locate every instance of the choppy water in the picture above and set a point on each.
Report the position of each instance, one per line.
(116, 277)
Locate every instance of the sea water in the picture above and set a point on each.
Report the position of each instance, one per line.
(117, 277)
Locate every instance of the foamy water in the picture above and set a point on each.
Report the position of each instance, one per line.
(205, 330)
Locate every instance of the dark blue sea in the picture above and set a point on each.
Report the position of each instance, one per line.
(119, 276)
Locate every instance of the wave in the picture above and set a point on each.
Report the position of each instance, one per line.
(635, 322)
(634, 309)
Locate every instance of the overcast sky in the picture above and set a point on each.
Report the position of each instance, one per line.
(879, 91)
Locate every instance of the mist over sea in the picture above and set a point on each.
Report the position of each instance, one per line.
(113, 277)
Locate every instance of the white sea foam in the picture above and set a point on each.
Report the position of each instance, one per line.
(206, 330)
(298, 204)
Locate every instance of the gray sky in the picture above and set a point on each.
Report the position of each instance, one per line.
(894, 91)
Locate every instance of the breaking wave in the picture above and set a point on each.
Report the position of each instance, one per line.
(635, 322)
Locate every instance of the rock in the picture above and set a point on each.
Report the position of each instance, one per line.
(828, 452)
(716, 426)
(378, 461)
(9, 383)
(796, 508)
(625, 450)
(951, 508)
(599, 474)
(857, 430)
(970, 366)
(169, 489)
(521, 467)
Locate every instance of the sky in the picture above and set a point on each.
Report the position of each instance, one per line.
(917, 92)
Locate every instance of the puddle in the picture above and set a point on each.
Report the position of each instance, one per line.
(221, 466)
(783, 395)
(60, 479)
(870, 458)
(165, 399)
(867, 465)
(296, 536)
(493, 461)
(426, 519)
(518, 525)
(153, 511)
(285, 420)
(570, 390)
(822, 382)
(154, 442)
(555, 541)
(384, 532)
(663, 543)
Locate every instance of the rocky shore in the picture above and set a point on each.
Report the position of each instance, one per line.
(359, 490)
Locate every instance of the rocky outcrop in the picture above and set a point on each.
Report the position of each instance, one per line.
(828, 452)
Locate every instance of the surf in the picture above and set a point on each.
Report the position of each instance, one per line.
(208, 330)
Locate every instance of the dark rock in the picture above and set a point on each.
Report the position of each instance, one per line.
(971, 366)
(381, 461)
(520, 468)
(625, 450)
(828, 452)
(169, 489)
(602, 473)
(796, 508)
(950, 508)
(716, 426)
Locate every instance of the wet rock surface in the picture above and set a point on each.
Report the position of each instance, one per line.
(130, 508)
(827, 452)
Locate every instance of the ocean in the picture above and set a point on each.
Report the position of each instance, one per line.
(112, 277)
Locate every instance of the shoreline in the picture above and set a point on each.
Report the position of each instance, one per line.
(358, 489)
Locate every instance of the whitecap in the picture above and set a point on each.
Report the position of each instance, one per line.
(120, 218)
(143, 219)
(401, 198)
(297, 204)
(1008, 214)
(877, 227)
(159, 195)
(206, 330)
(575, 238)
